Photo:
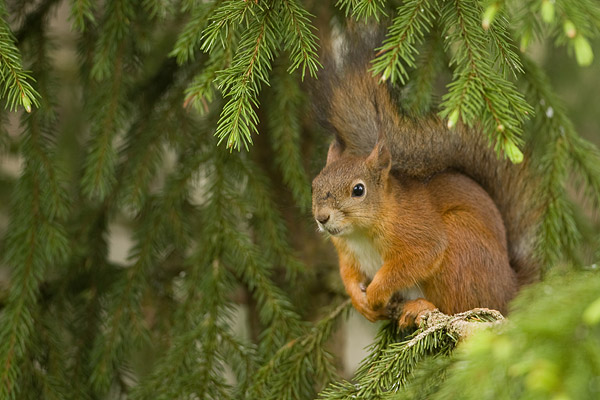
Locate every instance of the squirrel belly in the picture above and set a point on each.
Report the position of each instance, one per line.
(439, 243)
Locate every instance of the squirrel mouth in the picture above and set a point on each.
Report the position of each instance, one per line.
(333, 231)
(329, 230)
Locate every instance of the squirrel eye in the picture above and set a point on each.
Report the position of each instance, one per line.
(358, 190)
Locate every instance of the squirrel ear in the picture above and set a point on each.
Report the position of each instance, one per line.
(380, 158)
(335, 151)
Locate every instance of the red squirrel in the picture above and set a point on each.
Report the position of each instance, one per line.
(356, 107)
(437, 217)
(438, 243)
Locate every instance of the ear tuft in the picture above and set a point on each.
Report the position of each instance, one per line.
(335, 151)
(380, 158)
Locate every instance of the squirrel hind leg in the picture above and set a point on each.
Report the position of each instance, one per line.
(412, 312)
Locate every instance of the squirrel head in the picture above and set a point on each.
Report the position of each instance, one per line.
(349, 192)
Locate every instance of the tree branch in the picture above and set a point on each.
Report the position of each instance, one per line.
(460, 325)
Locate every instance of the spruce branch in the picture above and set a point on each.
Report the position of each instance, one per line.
(53, 382)
(34, 19)
(227, 203)
(15, 81)
(270, 26)
(116, 25)
(564, 152)
(202, 91)
(492, 8)
(224, 19)
(503, 47)
(109, 66)
(413, 21)
(86, 319)
(425, 380)
(209, 380)
(363, 9)
(243, 359)
(161, 113)
(559, 236)
(141, 169)
(429, 63)
(585, 162)
(295, 368)
(241, 82)
(36, 238)
(175, 198)
(231, 250)
(253, 267)
(82, 12)
(124, 321)
(534, 356)
(299, 38)
(528, 25)
(478, 91)
(580, 21)
(159, 9)
(193, 363)
(285, 131)
(98, 178)
(190, 39)
(390, 364)
(269, 222)
(387, 335)
(276, 312)
(569, 22)
(123, 324)
(171, 373)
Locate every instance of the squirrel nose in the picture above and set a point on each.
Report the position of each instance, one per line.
(323, 218)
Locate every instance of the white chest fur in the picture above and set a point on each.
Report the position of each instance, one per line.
(370, 261)
(365, 254)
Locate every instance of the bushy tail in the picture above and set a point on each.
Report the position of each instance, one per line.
(356, 107)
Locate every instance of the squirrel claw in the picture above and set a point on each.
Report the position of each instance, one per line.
(363, 287)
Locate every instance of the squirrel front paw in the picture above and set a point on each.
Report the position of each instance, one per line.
(378, 299)
(361, 304)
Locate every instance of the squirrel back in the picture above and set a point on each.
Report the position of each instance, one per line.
(356, 107)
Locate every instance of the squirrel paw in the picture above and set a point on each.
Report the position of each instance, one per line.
(362, 306)
(412, 311)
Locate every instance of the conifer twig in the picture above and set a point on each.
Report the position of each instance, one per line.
(461, 325)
